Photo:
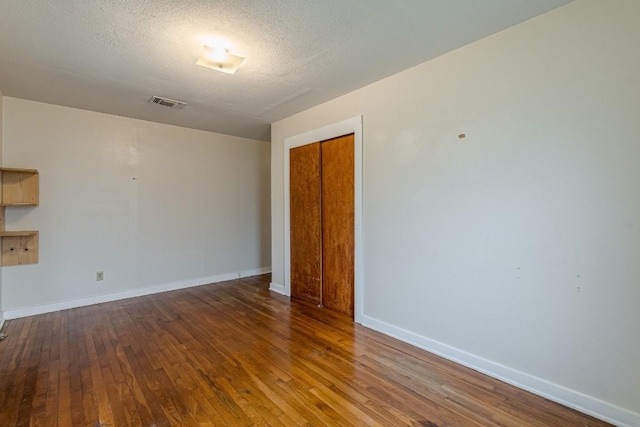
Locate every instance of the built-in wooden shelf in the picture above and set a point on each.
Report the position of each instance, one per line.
(19, 188)
(18, 233)
(19, 170)
(20, 247)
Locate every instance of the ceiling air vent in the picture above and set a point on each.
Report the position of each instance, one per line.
(166, 102)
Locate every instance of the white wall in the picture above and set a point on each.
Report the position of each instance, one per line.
(1, 120)
(149, 204)
(515, 250)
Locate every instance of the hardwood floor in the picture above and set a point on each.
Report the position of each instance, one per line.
(236, 354)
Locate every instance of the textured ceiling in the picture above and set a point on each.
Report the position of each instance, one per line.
(112, 55)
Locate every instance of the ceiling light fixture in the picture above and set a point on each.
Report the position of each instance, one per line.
(218, 58)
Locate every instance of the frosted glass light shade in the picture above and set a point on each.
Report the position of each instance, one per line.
(220, 59)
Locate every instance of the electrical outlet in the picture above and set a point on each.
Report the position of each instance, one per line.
(100, 275)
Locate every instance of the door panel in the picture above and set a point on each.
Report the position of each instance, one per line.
(338, 213)
(306, 225)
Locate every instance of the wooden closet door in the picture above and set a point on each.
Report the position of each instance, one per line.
(338, 224)
(306, 222)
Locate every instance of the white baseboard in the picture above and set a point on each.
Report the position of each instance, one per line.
(275, 287)
(1, 320)
(557, 393)
(97, 299)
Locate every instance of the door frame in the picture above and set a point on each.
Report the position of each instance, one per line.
(345, 127)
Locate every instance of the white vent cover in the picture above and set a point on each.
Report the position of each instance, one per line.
(166, 102)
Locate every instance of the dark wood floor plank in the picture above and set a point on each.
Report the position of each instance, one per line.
(74, 368)
(234, 353)
(34, 393)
